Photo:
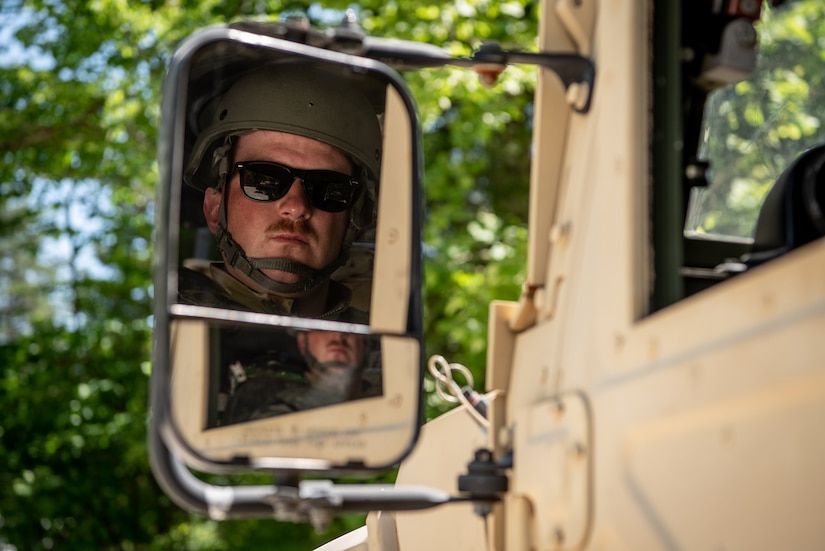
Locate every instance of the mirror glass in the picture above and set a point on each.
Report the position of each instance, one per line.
(288, 324)
(281, 178)
(264, 372)
(276, 396)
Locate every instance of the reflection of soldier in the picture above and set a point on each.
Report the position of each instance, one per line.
(336, 371)
(288, 165)
(335, 364)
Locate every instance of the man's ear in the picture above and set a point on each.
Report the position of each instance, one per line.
(301, 341)
(212, 207)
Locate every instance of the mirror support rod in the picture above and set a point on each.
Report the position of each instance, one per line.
(323, 499)
(193, 494)
(577, 73)
(484, 484)
(316, 501)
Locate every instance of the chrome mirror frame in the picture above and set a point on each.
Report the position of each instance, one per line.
(175, 440)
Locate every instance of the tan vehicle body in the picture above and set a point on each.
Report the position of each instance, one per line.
(695, 427)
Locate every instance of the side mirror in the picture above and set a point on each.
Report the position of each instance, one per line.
(285, 163)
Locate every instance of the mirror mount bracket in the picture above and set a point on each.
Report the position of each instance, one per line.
(576, 73)
(484, 483)
(318, 501)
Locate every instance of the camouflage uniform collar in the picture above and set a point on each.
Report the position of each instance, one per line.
(338, 296)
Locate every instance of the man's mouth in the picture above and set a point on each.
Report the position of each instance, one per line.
(290, 238)
(340, 348)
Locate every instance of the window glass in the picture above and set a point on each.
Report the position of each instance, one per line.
(754, 129)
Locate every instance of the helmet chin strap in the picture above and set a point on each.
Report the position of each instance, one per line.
(252, 267)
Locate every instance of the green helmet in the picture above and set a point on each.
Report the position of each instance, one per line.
(304, 100)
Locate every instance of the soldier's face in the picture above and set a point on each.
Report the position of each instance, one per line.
(290, 227)
(332, 347)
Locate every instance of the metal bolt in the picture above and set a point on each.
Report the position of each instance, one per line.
(558, 535)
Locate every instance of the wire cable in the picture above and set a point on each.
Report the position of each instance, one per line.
(449, 390)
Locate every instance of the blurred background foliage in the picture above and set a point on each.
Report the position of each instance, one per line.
(79, 112)
(79, 97)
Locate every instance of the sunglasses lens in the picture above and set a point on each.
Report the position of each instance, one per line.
(330, 191)
(326, 189)
(265, 182)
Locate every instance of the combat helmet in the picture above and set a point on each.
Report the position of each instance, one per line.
(297, 99)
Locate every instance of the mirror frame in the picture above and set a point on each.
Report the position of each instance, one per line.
(314, 440)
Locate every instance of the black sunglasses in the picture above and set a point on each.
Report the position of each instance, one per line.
(326, 190)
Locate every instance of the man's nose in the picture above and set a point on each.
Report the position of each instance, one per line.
(336, 337)
(294, 204)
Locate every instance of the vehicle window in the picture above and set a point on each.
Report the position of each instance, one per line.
(755, 128)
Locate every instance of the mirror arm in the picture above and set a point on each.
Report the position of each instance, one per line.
(577, 73)
(484, 484)
(315, 501)
(193, 494)
(372, 497)
(323, 499)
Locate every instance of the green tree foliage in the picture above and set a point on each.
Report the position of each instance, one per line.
(79, 97)
(476, 150)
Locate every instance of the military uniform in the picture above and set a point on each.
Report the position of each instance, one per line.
(219, 289)
(265, 393)
(277, 389)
